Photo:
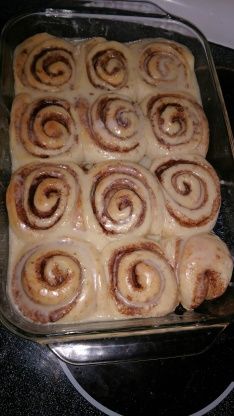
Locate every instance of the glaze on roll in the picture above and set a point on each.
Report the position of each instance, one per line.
(164, 65)
(204, 269)
(111, 127)
(50, 280)
(108, 66)
(45, 197)
(44, 63)
(191, 190)
(110, 197)
(141, 281)
(123, 199)
(175, 124)
(44, 128)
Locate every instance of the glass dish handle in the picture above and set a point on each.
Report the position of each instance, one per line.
(160, 345)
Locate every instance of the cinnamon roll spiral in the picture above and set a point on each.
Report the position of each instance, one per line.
(50, 280)
(175, 124)
(192, 194)
(43, 128)
(141, 281)
(44, 63)
(164, 65)
(43, 197)
(107, 64)
(122, 199)
(111, 128)
(204, 269)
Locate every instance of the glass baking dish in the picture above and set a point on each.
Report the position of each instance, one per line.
(177, 333)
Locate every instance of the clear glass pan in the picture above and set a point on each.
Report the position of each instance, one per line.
(128, 21)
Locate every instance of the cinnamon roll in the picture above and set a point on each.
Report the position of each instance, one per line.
(175, 123)
(44, 63)
(51, 279)
(204, 269)
(192, 194)
(43, 128)
(141, 282)
(108, 67)
(111, 128)
(164, 65)
(123, 199)
(45, 197)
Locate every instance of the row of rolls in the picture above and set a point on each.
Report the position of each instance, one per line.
(69, 280)
(177, 196)
(111, 202)
(45, 63)
(109, 127)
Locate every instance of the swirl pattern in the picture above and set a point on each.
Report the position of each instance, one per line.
(123, 199)
(177, 124)
(43, 197)
(43, 128)
(111, 128)
(164, 62)
(204, 269)
(107, 65)
(50, 280)
(45, 63)
(140, 279)
(192, 193)
(118, 104)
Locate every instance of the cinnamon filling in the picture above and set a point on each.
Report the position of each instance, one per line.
(56, 56)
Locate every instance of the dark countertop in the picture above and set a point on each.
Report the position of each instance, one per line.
(33, 382)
